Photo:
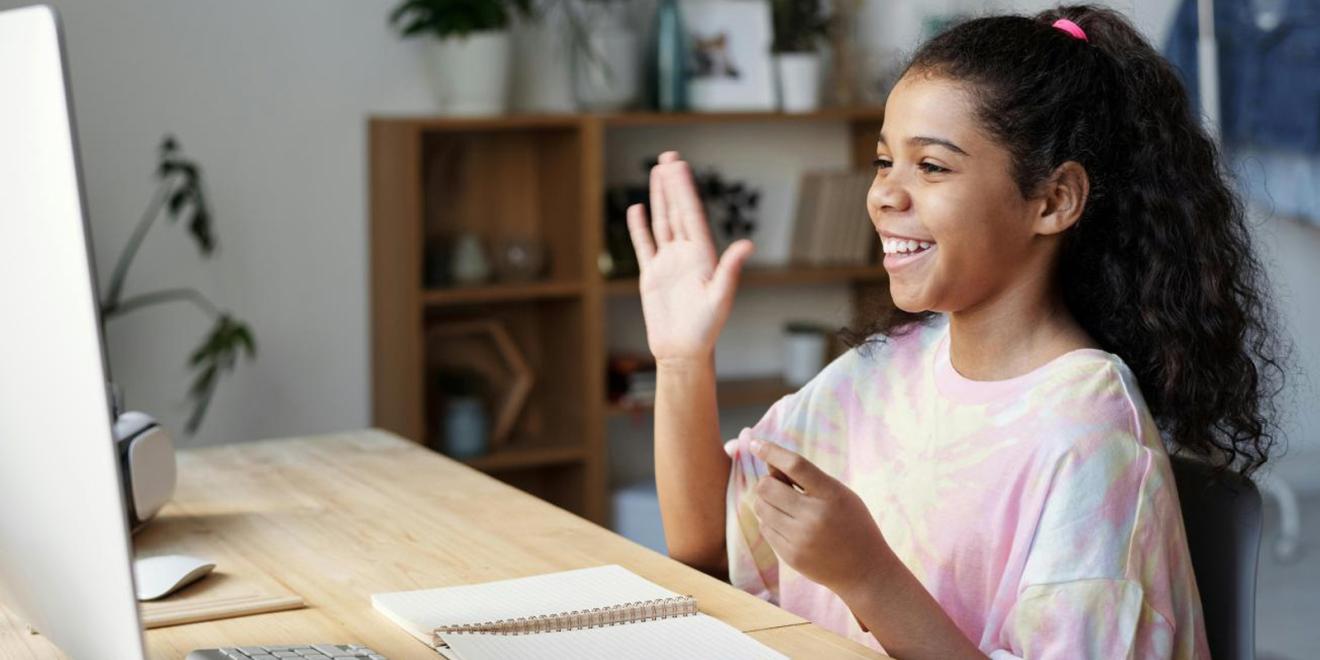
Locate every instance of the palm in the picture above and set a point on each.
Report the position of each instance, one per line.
(685, 294)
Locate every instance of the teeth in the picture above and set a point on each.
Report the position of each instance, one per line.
(903, 246)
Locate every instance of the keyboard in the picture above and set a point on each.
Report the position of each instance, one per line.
(302, 652)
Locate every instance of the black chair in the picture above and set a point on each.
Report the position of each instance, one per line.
(1223, 521)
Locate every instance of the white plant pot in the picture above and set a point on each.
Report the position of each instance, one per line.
(799, 81)
(804, 357)
(470, 75)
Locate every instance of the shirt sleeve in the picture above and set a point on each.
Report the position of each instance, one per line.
(811, 422)
(1107, 569)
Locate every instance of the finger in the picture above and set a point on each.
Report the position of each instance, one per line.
(659, 209)
(779, 495)
(768, 516)
(799, 469)
(728, 271)
(642, 242)
(778, 542)
(677, 223)
(669, 156)
(685, 203)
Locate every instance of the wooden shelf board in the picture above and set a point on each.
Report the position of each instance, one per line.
(777, 276)
(731, 392)
(514, 457)
(499, 293)
(514, 122)
(665, 118)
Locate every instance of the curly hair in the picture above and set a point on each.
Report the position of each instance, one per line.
(1160, 268)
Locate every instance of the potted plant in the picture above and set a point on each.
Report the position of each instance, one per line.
(469, 58)
(181, 197)
(799, 26)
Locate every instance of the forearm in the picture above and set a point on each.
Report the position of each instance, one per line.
(903, 616)
(691, 468)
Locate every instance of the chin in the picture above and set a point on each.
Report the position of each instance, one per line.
(908, 303)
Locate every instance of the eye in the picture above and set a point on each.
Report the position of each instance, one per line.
(932, 168)
(881, 163)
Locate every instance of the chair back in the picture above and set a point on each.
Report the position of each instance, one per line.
(1223, 521)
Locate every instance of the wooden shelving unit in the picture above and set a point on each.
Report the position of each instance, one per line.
(539, 177)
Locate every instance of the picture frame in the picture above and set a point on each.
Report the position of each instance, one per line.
(729, 63)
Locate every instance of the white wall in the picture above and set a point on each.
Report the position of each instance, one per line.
(272, 99)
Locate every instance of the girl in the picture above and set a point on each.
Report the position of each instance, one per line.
(986, 474)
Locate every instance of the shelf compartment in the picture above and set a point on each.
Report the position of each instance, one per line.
(777, 276)
(547, 335)
(731, 393)
(508, 183)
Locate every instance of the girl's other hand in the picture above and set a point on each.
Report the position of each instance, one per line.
(816, 524)
(686, 295)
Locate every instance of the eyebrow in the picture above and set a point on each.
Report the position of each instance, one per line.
(929, 141)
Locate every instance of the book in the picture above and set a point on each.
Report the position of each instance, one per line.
(604, 613)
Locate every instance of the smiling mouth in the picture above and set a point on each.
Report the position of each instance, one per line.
(904, 247)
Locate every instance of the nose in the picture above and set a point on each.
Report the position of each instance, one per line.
(887, 195)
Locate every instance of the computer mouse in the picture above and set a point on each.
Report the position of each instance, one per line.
(162, 575)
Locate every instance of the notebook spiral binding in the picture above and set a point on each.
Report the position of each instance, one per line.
(596, 617)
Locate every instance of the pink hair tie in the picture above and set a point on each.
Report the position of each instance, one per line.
(1074, 30)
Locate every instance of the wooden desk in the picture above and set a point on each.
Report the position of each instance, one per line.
(336, 518)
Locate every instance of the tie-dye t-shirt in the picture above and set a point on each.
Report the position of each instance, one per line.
(1039, 511)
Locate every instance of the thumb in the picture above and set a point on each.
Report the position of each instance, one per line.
(727, 271)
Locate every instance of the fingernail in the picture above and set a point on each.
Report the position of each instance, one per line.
(757, 447)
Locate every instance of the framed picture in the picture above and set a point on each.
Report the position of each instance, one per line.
(729, 55)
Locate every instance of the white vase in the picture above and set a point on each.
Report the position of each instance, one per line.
(607, 65)
(804, 356)
(799, 81)
(470, 74)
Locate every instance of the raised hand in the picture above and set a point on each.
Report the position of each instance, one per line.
(686, 294)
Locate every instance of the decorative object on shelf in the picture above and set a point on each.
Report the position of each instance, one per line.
(729, 46)
(667, 66)
(618, 258)
(469, 60)
(520, 260)
(464, 425)
(731, 208)
(832, 227)
(843, 78)
(800, 28)
(486, 348)
(606, 57)
(630, 379)
(469, 263)
(181, 195)
(804, 352)
(542, 73)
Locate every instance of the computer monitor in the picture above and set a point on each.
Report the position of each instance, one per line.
(64, 544)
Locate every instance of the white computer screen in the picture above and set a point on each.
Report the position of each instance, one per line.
(64, 546)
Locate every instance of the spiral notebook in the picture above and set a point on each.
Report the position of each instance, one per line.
(606, 613)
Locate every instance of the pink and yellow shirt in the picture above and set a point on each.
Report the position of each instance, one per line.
(1039, 511)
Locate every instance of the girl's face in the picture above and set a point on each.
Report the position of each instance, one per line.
(942, 181)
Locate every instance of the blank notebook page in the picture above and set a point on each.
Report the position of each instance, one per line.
(419, 612)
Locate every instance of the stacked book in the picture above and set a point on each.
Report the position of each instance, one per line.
(832, 227)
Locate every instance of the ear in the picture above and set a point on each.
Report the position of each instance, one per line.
(1063, 198)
